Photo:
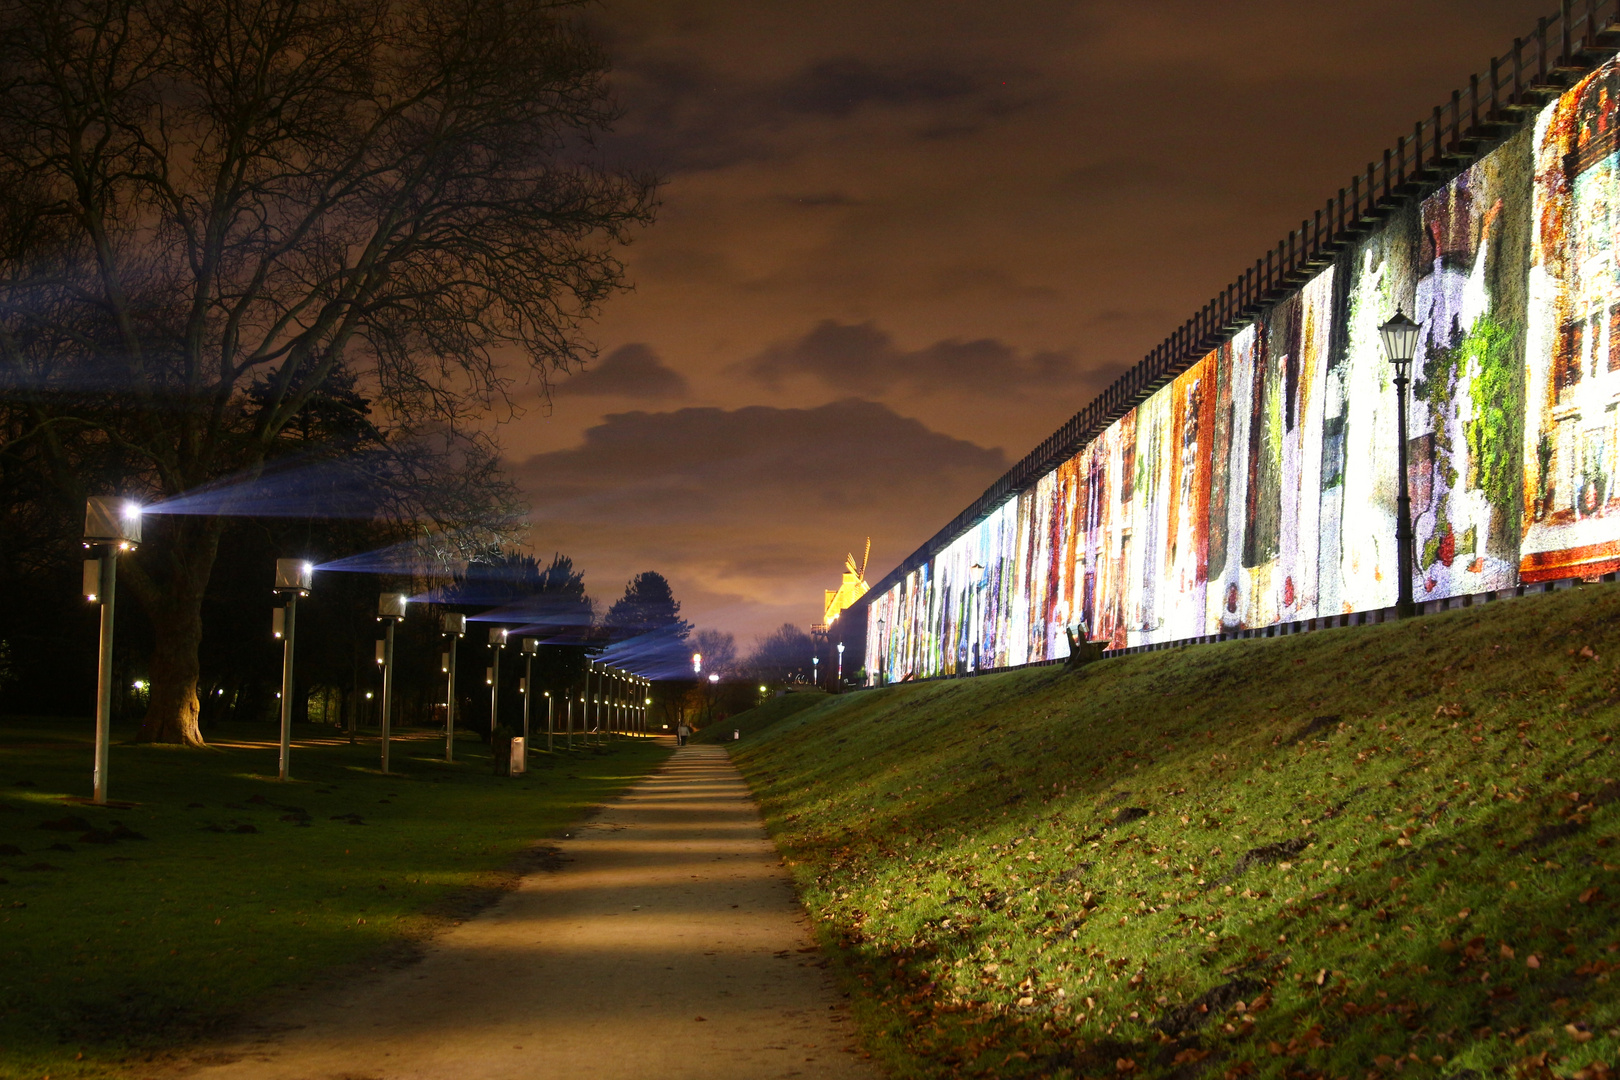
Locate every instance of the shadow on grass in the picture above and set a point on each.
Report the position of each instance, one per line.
(126, 930)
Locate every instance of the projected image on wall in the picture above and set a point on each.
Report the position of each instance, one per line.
(1572, 375)
(1259, 486)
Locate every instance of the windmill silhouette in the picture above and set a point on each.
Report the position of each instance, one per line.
(851, 589)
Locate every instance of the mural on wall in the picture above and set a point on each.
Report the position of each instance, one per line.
(1572, 375)
(1258, 487)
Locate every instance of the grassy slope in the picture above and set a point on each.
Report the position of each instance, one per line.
(121, 949)
(758, 719)
(1386, 848)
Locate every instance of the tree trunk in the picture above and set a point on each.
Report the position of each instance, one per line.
(182, 551)
(171, 711)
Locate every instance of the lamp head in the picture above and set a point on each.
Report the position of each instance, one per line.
(111, 520)
(531, 646)
(1400, 337)
(453, 624)
(497, 637)
(391, 605)
(294, 576)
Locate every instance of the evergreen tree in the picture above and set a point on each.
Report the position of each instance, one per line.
(648, 605)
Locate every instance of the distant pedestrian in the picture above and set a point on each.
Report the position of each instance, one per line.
(681, 732)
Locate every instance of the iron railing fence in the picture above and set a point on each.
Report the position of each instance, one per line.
(1561, 51)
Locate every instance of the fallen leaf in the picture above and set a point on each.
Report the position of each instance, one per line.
(1577, 1034)
(1507, 951)
(1532, 961)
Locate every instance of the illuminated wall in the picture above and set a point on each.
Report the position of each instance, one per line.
(1259, 486)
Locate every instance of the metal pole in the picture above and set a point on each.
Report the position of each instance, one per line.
(104, 671)
(387, 688)
(288, 622)
(549, 735)
(570, 721)
(528, 692)
(494, 694)
(1404, 606)
(450, 701)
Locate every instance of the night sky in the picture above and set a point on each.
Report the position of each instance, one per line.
(901, 242)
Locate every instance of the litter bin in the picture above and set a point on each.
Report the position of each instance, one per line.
(736, 733)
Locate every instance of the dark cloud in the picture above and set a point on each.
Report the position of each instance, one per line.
(820, 199)
(630, 371)
(860, 358)
(839, 86)
(685, 116)
(679, 465)
(730, 503)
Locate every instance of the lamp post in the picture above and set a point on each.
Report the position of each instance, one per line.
(883, 666)
(839, 681)
(390, 612)
(497, 642)
(1400, 336)
(548, 722)
(528, 647)
(815, 670)
(293, 580)
(453, 627)
(113, 525)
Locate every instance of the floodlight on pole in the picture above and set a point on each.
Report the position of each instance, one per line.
(697, 663)
(390, 612)
(839, 680)
(1400, 338)
(294, 578)
(114, 526)
(453, 627)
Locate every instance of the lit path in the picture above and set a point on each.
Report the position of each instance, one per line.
(669, 947)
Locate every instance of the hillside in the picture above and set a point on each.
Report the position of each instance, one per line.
(1358, 852)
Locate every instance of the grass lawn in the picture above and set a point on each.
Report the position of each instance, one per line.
(1354, 853)
(221, 885)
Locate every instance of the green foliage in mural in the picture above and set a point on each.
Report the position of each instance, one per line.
(1497, 428)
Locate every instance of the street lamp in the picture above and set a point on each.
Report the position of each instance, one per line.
(815, 670)
(293, 580)
(548, 722)
(697, 663)
(883, 644)
(390, 612)
(453, 627)
(839, 681)
(1400, 336)
(114, 525)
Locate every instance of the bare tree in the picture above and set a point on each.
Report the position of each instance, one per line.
(718, 649)
(214, 208)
